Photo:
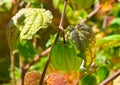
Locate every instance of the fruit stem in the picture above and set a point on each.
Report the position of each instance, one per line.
(64, 41)
(61, 21)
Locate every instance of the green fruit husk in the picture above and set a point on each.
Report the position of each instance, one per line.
(64, 57)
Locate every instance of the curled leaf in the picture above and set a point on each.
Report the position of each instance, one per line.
(26, 23)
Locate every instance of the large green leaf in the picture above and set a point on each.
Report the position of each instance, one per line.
(26, 23)
(109, 41)
(84, 39)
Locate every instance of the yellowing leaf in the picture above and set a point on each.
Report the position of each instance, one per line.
(106, 5)
(108, 41)
(84, 39)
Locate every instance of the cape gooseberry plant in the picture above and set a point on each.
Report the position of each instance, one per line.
(72, 48)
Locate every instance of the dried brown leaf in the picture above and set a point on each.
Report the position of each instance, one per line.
(32, 78)
(56, 79)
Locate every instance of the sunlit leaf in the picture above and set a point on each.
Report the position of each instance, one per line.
(5, 5)
(26, 23)
(109, 41)
(56, 3)
(106, 5)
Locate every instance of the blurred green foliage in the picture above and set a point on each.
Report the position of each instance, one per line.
(88, 80)
(108, 52)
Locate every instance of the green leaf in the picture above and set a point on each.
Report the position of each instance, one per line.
(5, 5)
(109, 41)
(26, 49)
(102, 73)
(115, 22)
(56, 3)
(84, 39)
(88, 80)
(116, 10)
(80, 4)
(26, 23)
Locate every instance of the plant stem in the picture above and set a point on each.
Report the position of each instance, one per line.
(35, 42)
(91, 14)
(28, 4)
(37, 58)
(48, 60)
(62, 17)
(13, 67)
(105, 20)
(21, 63)
(44, 71)
(110, 78)
(58, 34)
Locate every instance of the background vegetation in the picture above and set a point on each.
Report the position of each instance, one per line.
(32, 55)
